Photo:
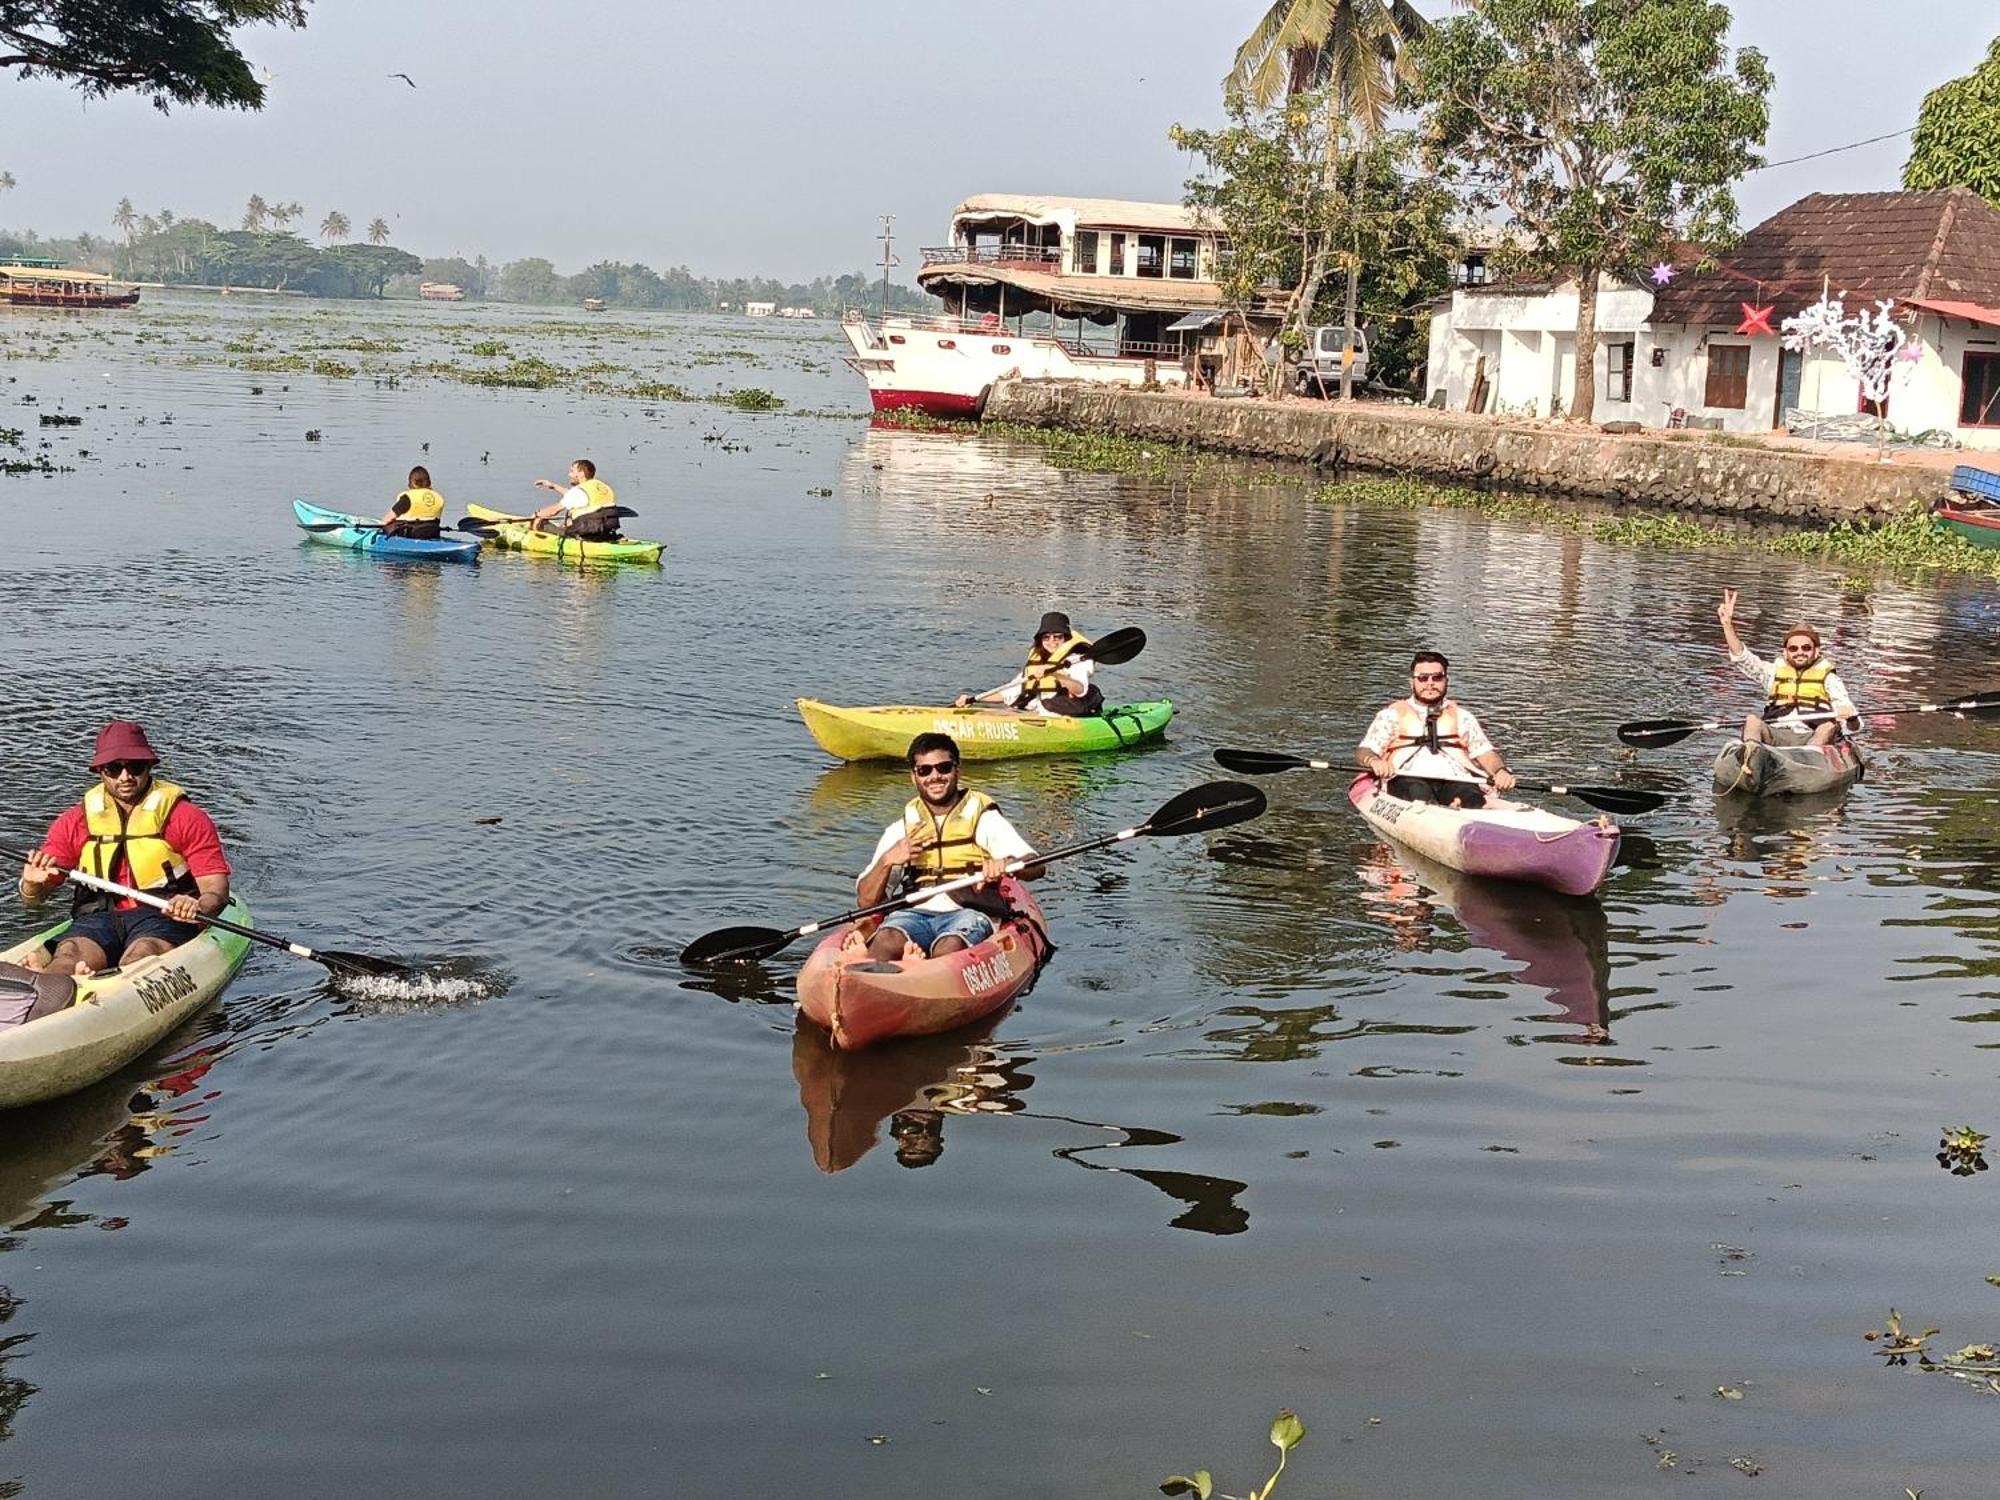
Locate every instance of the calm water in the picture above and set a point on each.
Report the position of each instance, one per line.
(1495, 1190)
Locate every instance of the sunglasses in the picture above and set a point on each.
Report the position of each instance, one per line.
(936, 768)
(1427, 677)
(125, 767)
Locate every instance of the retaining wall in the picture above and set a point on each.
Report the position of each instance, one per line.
(1680, 471)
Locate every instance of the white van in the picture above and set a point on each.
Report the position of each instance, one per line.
(1319, 365)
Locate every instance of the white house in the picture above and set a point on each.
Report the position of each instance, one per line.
(1698, 344)
(759, 309)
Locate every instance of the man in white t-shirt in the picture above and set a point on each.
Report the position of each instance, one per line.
(1808, 703)
(1056, 679)
(1427, 748)
(946, 831)
(587, 509)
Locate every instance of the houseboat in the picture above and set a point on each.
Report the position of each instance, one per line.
(44, 284)
(1140, 274)
(441, 291)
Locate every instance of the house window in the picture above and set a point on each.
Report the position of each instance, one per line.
(1084, 253)
(1618, 371)
(1472, 270)
(1180, 261)
(1152, 255)
(1728, 376)
(1979, 405)
(1117, 255)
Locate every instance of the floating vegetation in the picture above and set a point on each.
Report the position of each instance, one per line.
(659, 390)
(1905, 541)
(488, 349)
(749, 398)
(1976, 1364)
(333, 369)
(1287, 1431)
(528, 373)
(57, 419)
(1104, 452)
(1961, 1150)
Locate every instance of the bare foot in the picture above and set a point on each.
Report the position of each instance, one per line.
(38, 960)
(82, 969)
(911, 952)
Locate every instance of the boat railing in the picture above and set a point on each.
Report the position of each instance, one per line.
(883, 333)
(1034, 256)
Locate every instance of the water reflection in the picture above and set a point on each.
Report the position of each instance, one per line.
(14, 1391)
(1211, 1201)
(913, 1084)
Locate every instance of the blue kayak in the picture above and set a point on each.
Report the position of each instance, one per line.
(361, 535)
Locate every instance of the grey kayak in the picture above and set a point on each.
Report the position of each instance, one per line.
(1748, 769)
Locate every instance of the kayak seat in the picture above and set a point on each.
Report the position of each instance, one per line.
(26, 995)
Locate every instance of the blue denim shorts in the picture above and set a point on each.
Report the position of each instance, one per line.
(924, 928)
(115, 931)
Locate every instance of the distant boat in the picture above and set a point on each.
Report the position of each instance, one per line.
(593, 304)
(45, 284)
(441, 291)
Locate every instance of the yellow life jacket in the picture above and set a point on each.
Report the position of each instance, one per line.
(954, 851)
(1804, 690)
(1414, 725)
(600, 495)
(133, 839)
(424, 505)
(1039, 675)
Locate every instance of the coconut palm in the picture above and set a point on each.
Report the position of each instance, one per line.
(166, 218)
(125, 218)
(7, 183)
(256, 212)
(378, 231)
(1356, 48)
(284, 213)
(334, 226)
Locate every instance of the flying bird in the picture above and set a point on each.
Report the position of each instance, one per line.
(406, 78)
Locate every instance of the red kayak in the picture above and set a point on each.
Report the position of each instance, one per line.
(861, 1001)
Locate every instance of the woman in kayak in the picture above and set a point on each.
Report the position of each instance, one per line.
(586, 510)
(1798, 682)
(946, 831)
(1426, 748)
(418, 511)
(137, 831)
(1056, 679)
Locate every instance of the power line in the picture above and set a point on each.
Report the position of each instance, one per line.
(1836, 150)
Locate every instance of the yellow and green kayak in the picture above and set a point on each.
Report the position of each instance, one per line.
(522, 537)
(983, 733)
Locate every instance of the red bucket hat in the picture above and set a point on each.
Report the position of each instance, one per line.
(122, 739)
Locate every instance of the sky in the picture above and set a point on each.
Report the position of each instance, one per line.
(768, 139)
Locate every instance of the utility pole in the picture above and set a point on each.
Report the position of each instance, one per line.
(888, 259)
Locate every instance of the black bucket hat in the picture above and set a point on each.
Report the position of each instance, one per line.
(1055, 622)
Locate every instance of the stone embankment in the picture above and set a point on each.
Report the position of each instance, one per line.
(1695, 471)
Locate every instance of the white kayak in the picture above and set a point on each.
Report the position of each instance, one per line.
(115, 1014)
(1502, 840)
(1746, 769)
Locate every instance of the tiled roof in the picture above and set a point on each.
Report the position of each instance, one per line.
(1943, 244)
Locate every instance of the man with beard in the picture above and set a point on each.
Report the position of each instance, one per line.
(1427, 748)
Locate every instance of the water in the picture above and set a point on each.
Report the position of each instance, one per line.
(1496, 1190)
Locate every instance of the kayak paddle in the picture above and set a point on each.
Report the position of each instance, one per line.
(1113, 649)
(1672, 731)
(1214, 804)
(1614, 799)
(487, 523)
(339, 963)
(361, 526)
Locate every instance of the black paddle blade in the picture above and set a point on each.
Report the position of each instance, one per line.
(735, 945)
(1657, 731)
(474, 523)
(358, 963)
(1616, 799)
(1214, 804)
(1259, 762)
(1979, 703)
(1118, 647)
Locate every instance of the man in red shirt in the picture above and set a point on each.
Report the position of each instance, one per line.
(138, 831)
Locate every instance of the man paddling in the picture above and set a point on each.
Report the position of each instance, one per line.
(137, 830)
(1428, 748)
(418, 512)
(946, 831)
(1056, 679)
(585, 509)
(1799, 681)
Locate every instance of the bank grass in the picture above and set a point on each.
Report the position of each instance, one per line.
(1906, 542)
(1103, 452)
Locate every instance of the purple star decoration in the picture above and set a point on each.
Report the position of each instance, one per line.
(1662, 274)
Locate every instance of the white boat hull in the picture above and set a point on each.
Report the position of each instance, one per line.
(946, 367)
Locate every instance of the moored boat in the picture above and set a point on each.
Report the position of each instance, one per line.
(982, 733)
(1502, 840)
(1751, 769)
(861, 1001)
(1978, 525)
(521, 537)
(115, 1014)
(45, 284)
(359, 535)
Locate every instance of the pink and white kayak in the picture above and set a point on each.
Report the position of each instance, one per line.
(1501, 841)
(861, 1001)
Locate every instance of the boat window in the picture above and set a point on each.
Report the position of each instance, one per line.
(1182, 262)
(1003, 348)
(1152, 255)
(1979, 405)
(1117, 255)
(1083, 257)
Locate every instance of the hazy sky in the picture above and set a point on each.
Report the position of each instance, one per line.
(740, 139)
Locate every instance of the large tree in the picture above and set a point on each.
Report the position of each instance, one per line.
(1609, 130)
(173, 51)
(1354, 53)
(1957, 142)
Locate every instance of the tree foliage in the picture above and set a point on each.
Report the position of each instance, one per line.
(1957, 141)
(1608, 130)
(1356, 48)
(171, 51)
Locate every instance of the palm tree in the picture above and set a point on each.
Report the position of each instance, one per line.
(378, 231)
(334, 226)
(284, 213)
(166, 218)
(1360, 48)
(7, 183)
(125, 219)
(255, 212)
